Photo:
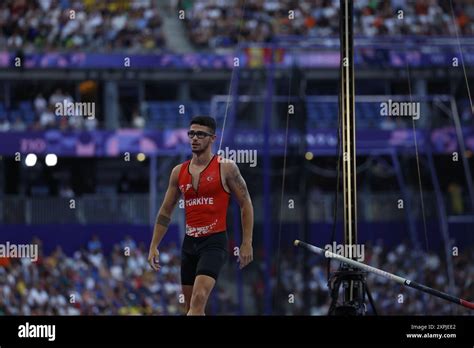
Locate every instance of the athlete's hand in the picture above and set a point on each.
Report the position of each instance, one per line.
(245, 254)
(154, 259)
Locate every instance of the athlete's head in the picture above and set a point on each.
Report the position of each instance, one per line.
(201, 133)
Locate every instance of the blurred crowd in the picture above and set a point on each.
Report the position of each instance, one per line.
(42, 114)
(137, 25)
(36, 25)
(92, 282)
(212, 23)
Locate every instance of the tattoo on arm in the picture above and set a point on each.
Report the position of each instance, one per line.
(239, 182)
(163, 220)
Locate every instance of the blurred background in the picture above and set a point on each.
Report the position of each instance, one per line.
(270, 69)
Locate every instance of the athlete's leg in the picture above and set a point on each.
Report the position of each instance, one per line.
(187, 292)
(188, 273)
(201, 290)
(212, 256)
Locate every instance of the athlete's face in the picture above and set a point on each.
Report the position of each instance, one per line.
(200, 138)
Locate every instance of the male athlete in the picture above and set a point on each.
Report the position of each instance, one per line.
(206, 182)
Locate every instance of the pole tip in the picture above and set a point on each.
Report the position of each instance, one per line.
(296, 242)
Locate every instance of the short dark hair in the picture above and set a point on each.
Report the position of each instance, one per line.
(204, 121)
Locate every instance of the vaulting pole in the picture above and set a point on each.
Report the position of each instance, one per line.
(391, 276)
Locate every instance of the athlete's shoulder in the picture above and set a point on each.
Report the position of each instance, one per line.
(228, 166)
(175, 171)
(178, 167)
(228, 163)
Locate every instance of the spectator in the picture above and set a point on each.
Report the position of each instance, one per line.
(56, 97)
(90, 124)
(94, 245)
(40, 103)
(4, 125)
(138, 121)
(47, 118)
(18, 125)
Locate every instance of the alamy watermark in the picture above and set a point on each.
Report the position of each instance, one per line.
(28, 330)
(354, 251)
(68, 108)
(238, 156)
(27, 251)
(395, 108)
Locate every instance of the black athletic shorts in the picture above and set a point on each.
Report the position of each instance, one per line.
(203, 255)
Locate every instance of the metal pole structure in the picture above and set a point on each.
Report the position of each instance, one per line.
(348, 122)
(351, 280)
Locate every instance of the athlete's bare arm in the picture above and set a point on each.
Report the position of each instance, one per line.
(163, 217)
(237, 186)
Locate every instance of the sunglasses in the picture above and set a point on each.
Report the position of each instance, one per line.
(199, 134)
